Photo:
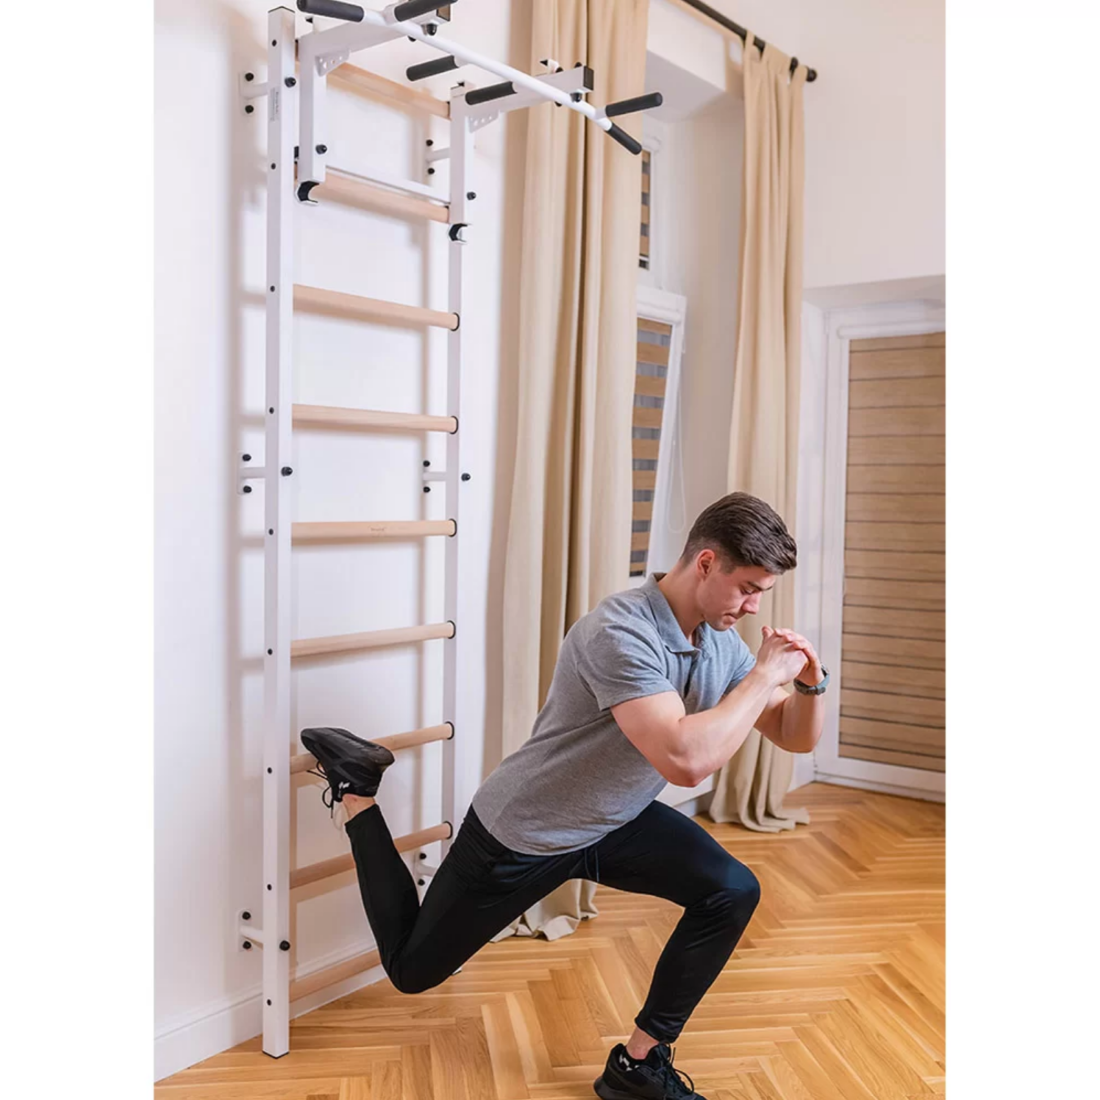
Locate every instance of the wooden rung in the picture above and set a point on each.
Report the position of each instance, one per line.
(363, 82)
(334, 303)
(372, 639)
(327, 868)
(321, 979)
(331, 416)
(354, 531)
(351, 192)
(303, 761)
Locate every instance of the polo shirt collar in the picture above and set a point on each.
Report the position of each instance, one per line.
(667, 625)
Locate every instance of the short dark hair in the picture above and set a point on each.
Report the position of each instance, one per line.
(742, 530)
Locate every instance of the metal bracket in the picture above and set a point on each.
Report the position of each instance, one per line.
(432, 475)
(479, 122)
(329, 61)
(248, 87)
(246, 474)
(249, 935)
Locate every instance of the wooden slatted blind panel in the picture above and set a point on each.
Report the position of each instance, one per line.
(892, 667)
(650, 379)
(643, 240)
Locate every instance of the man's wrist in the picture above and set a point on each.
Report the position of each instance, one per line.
(820, 682)
(764, 680)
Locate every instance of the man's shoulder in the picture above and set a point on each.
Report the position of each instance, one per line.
(626, 616)
(629, 606)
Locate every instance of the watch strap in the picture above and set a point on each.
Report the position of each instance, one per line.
(817, 689)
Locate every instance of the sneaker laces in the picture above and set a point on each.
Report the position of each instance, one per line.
(674, 1078)
(328, 795)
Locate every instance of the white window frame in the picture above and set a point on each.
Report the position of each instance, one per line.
(841, 327)
(671, 309)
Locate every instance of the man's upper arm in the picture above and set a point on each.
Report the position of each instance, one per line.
(624, 669)
(770, 722)
(651, 724)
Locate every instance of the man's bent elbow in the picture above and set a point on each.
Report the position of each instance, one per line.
(685, 774)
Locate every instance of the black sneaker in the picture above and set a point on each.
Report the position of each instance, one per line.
(653, 1079)
(350, 764)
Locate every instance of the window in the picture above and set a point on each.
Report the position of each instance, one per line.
(650, 379)
(647, 191)
(657, 478)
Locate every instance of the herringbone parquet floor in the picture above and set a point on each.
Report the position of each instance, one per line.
(836, 991)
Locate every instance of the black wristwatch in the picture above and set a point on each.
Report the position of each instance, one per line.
(817, 689)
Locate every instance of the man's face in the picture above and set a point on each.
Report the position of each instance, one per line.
(726, 597)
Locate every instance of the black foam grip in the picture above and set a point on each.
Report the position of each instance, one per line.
(638, 103)
(413, 8)
(494, 91)
(333, 9)
(625, 140)
(431, 68)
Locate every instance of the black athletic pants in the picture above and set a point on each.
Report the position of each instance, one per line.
(482, 886)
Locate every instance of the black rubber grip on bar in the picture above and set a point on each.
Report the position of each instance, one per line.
(625, 140)
(638, 103)
(413, 8)
(431, 68)
(494, 91)
(333, 9)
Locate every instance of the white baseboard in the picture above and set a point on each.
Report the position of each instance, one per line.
(223, 1024)
(882, 788)
(803, 770)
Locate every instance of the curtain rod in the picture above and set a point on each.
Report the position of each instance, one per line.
(730, 25)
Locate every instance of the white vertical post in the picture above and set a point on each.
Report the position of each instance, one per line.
(461, 150)
(314, 115)
(281, 102)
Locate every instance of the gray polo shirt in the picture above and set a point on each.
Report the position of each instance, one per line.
(578, 777)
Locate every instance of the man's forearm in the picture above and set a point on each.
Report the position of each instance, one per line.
(711, 737)
(803, 720)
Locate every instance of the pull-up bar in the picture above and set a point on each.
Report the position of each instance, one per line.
(339, 41)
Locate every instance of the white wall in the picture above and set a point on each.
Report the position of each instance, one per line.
(697, 191)
(209, 388)
(874, 125)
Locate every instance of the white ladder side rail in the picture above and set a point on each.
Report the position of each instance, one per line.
(455, 650)
(278, 401)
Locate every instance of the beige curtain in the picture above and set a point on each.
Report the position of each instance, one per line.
(569, 528)
(764, 428)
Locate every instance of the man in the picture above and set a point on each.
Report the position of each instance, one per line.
(651, 687)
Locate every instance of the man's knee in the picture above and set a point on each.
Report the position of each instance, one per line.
(735, 896)
(408, 980)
